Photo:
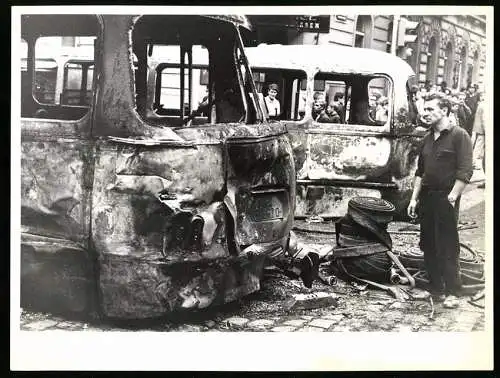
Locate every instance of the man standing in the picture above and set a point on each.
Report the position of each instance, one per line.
(461, 113)
(478, 137)
(444, 169)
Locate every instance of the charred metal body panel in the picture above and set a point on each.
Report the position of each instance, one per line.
(135, 220)
(336, 162)
(56, 182)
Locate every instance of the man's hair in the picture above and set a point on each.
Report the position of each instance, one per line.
(414, 88)
(337, 96)
(317, 95)
(443, 101)
(273, 86)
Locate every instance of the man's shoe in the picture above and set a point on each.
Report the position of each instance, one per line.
(450, 302)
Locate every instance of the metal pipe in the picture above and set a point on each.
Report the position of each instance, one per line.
(348, 183)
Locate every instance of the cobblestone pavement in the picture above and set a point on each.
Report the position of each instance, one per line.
(357, 308)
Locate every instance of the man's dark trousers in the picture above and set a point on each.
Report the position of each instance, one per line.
(439, 241)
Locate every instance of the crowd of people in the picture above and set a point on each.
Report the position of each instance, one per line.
(467, 112)
(333, 112)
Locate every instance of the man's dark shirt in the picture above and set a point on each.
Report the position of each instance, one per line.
(446, 159)
(471, 102)
(465, 118)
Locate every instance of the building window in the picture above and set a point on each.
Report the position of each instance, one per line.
(475, 67)
(448, 65)
(389, 37)
(432, 56)
(363, 32)
(463, 67)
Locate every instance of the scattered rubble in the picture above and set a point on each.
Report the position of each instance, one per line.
(309, 301)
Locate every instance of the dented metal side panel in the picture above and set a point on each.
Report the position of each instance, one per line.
(337, 162)
(56, 184)
(151, 250)
(163, 229)
(356, 165)
(139, 190)
(161, 222)
(354, 157)
(260, 188)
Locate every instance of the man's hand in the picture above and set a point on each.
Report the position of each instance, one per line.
(411, 209)
(452, 198)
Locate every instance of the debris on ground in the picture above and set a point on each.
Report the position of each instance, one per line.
(310, 301)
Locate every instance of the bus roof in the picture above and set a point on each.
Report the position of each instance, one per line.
(328, 58)
(233, 18)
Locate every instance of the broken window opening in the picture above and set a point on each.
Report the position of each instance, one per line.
(185, 77)
(353, 99)
(77, 83)
(57, 69)
(291, 88)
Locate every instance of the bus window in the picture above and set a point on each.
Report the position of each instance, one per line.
(77, 86)
(25, 81)
(329, 101)
(60, 85)
(291, 90)
(353, 99)
(165, 64)
(55, 54)
(173, 66)
(379, 100)
(44, 88)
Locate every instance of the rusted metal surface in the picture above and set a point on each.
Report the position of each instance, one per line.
(320, 157)
(56, 182)
(57, 275)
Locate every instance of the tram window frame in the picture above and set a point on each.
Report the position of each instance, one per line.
(291, 94)
(85, 98)
(167, 66)
(358, 86)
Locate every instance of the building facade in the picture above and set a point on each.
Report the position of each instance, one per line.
(447, 48)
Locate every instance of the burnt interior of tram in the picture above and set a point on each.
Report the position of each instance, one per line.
(173, 102)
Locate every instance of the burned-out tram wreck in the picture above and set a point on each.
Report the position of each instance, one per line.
(126, 211)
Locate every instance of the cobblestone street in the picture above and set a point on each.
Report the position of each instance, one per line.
(354, 308)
